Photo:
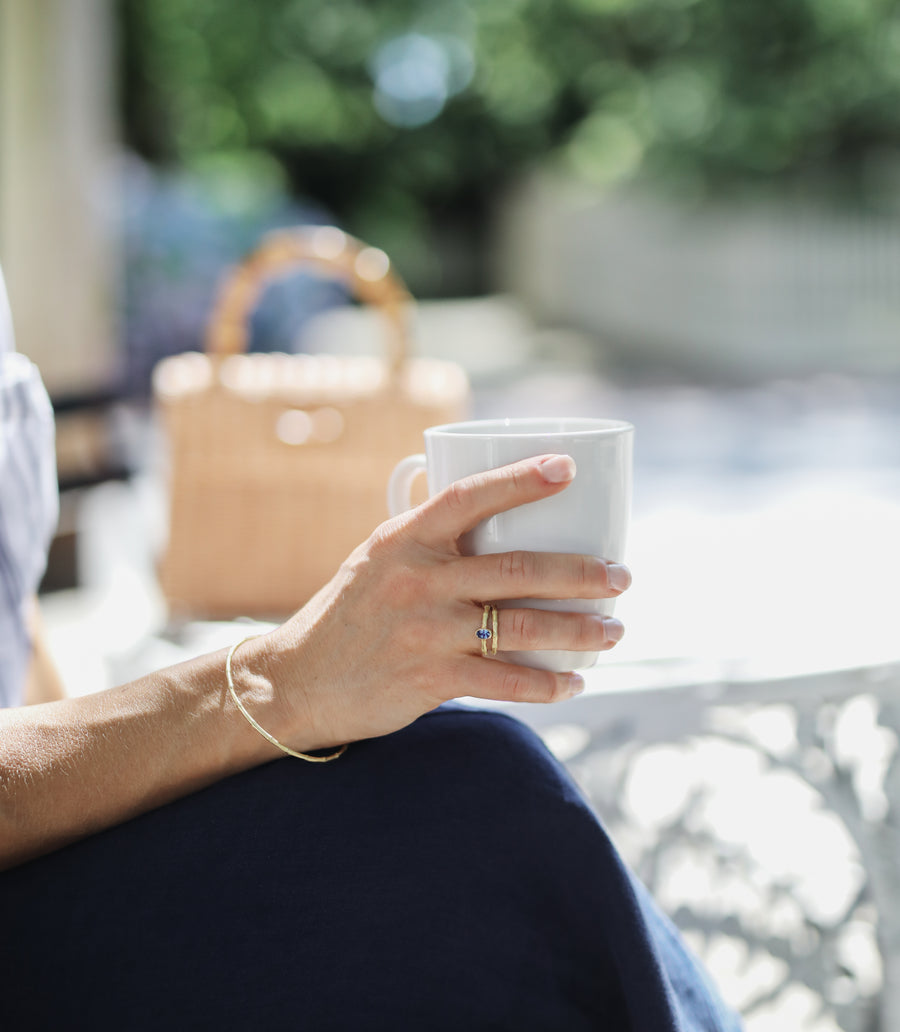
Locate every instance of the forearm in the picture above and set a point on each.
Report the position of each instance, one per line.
(74, 767)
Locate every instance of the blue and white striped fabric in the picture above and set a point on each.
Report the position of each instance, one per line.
(28, 501)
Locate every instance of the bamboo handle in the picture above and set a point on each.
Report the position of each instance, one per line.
(366, 271)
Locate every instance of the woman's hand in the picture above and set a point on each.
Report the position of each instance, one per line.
(390, 637)
(393, 634)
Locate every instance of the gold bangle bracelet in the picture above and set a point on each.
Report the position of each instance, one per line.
(258, 727)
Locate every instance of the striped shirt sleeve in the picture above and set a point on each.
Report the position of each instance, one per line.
(28, 502)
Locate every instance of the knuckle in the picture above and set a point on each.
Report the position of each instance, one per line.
(524, 627)
(388, 537)
(583, 636)
(404, 586)
(515, 687)
(456, 496)
(557, 689)
(406, 637)
(591, 575)
(535, 686)
(518, 566)
(459, 495)
(520, 477)
(382, 538)
(589, 634)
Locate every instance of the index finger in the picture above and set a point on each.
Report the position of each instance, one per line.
(460, 507)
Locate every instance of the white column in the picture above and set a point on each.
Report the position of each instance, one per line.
(57, 200)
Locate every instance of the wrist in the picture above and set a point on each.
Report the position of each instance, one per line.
(257, 674)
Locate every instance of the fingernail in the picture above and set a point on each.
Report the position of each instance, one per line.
(558, 469)
(613, 628)
(576, 684)
(619, 576)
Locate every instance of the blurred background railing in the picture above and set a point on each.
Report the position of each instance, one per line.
(681, 212)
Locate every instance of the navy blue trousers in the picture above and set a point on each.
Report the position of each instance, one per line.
(447, 877)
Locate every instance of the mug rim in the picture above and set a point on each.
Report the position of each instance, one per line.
(580, 425)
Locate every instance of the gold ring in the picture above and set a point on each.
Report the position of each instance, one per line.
(487, 634)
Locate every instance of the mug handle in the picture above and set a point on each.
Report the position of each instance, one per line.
(399, 492)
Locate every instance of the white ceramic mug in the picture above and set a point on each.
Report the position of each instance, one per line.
(590, 517)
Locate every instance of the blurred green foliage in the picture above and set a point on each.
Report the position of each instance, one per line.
(410, 114)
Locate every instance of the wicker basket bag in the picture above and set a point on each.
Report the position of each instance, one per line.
(278, 464)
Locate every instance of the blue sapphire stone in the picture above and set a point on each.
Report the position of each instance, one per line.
(484, 633)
